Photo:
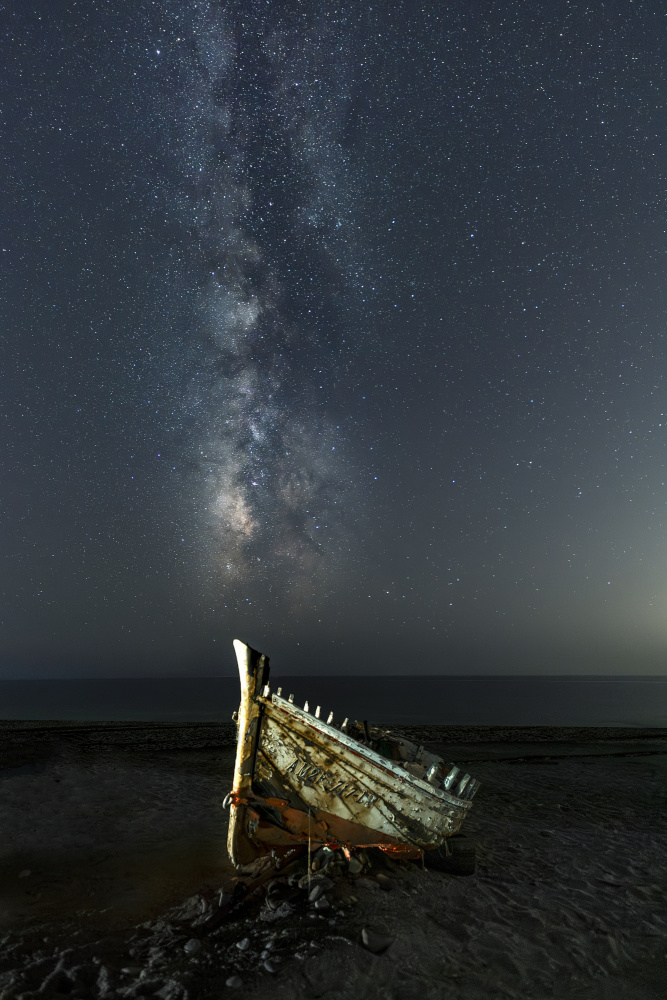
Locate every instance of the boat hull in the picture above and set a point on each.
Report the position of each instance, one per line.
(300, 779)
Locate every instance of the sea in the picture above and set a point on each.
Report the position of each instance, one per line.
(463, 701)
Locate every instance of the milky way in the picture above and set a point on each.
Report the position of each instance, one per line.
(266, 204)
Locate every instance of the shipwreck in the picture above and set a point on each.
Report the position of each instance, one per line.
(300, 779)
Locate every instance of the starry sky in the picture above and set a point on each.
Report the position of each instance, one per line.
(337, 328)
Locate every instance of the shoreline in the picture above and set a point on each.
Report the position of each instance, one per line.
(457, 733)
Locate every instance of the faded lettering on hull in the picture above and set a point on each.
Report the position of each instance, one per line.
(306, 774)
(327, 774)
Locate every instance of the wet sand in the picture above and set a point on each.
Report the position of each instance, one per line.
(108, 827)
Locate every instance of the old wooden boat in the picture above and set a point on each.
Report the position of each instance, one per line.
(300, 779)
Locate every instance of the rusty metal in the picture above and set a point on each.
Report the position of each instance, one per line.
(301, 780)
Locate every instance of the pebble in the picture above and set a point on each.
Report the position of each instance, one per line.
(234, 982)
(316, 879)
(324, 857)
(192, 946)
(243, 944)
(269, 966)
(322, 903)
(284, 910)
(367, 883)
(384, 881)
(376, 943)
(354, 866)
(315, 893)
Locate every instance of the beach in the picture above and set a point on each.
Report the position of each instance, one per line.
(113, 865)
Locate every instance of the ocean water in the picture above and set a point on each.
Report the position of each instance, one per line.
(473, 701)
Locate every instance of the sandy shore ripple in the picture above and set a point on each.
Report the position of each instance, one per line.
(112, 852)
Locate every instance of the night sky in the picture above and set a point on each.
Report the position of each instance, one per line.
(336, 328)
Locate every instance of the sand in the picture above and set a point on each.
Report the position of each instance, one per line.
(112, 855)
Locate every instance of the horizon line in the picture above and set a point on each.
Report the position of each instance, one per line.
(194, 677)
